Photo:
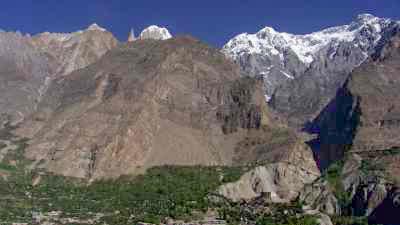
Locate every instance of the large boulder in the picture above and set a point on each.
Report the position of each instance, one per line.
(280, 182)
(319, 196)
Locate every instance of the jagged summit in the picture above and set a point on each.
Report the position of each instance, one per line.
(270, 41)
(131, 36)
(94, 26)
(366, 17)
(67, 36)
(155, 32)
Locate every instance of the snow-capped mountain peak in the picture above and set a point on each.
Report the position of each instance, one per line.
(155, 32)
(292, 54)
(268, 40)
(366, 17)
(94, 26)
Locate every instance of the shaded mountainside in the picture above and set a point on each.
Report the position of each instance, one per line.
(150, 103)
(363, 113)
(358, 137)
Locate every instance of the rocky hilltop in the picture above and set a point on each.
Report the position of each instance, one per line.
(72, 51)
(29, 63)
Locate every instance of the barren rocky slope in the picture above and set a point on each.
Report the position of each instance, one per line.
(72, 51)
(151, 103)
(28, 65)
(23, 70)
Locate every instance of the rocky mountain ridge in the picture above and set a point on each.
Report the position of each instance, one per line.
(303, 72)
(31, 63)
(76, 50)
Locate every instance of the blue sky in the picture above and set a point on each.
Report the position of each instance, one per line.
(213, 21)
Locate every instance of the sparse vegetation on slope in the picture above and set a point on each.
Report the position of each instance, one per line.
(333, 176)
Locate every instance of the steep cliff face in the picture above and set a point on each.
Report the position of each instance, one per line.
(335, 128)
(144, 104)
(376, 84)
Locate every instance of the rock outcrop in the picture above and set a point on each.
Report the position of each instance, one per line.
(281, 182)
(319, 196)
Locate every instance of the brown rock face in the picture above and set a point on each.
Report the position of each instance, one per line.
(72, 51)
(23, 71)
(376, 84)
(281, 181)
(28, 65)
(144, 104)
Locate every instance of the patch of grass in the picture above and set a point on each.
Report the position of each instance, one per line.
(391, 152)
(368, 167)
(334, 177)
(7, 167)
(348, 220)
(288, 220)
(232, 174)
